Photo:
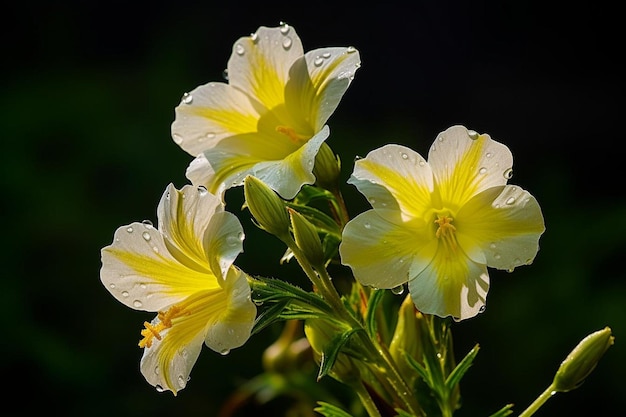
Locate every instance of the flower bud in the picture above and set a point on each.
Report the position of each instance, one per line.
(406, 338)
(582, 360)
(327, 168)
(266, 206)
(307, 238)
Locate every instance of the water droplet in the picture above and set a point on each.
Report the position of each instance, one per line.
(112, 286)
(326, 55)
(142, 286)
(156, 370)
(483, 170)
(254, 37)
(488, 154)
(148, 224)
(508, 174)
(178, 139)
(482, 308)
(367, 225)
(167, 195)
(510, 200)
(440, 138)
(181, 381)
(422, 162)
(155, 249)
(210, 135)
(350, 49)
(129, 229)
(225, 74)
(404, 156)
(224, 352)
(398, 290)
(473, 134)
(146, 236)
(284, 28)
(137, 304)
(497, 256)
(287, 42)
(159, 388)
(318, 61)
(187, 98)
(239, 49)
(125, 294)
(202, 191)
(492, 245)
(257, 302)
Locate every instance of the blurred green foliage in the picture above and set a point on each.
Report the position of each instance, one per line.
(87, 99)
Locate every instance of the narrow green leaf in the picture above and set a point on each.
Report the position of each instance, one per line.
(504, 411)
(331, 351)
(269, 315)
(419, 369)
(455, 376)
(329, 410)
(375, 298)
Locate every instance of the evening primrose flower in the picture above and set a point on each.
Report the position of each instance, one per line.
(439, 224)
(269, 119)
(184, 271)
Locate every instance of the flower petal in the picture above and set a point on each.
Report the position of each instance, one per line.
(465, 163)
(140, 272)
(318, 81)
(506, 222)
(223, 318)
(210, 113)
(396, 180)
(450, 286)
(259, 64)
(380, 252)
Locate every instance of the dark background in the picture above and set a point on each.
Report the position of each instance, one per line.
(87, 98)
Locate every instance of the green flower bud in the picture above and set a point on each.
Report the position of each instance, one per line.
(266, 206)
(307, 238)
(406, 339)
(582, 360)
(327, 168)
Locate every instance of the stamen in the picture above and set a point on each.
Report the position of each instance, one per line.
(291, 133)
(446, 230)
(164, 322)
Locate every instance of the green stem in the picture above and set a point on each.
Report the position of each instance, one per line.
(532, 409)
(401, 391)
(366, 400)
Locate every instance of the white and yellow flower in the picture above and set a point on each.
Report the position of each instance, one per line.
(269, 119)
(184, 271)
(439, 224)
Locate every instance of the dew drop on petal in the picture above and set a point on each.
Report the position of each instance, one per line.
(398, 290)
(473, 134)
(318, 61)
(137, 304)
(156, 370)
(488, 154)
(492, 245)
(422, 163)
(146, 236)
(159, 388)
(225, 74)
(508, 174)
(254, 37)
(187, 98)
(148, 224)
(181, 381)
(350, 49)
(367, 225)
(482, 308)
(326, 55)
(129, 229)
(224, 352)
(287, 42)
(510, 200)
(125, 294)
(482, 170)
(404, 156)
(202, 191)
(178, 139)
(284, 28)
(239, 49)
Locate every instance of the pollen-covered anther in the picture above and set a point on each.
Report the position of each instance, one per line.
(165, 322)
(446, 230)
(291, 133)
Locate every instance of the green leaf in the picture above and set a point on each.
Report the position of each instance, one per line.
(504, 411)
(329, 410)
(375, 298)
(269, 315)
(331, 351)
(455, 376)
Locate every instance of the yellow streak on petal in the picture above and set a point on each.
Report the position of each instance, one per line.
(233, 121)
(461, 182)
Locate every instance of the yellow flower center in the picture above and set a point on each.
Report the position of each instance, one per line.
(151, 332)
(446, 231)
(291, 133)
